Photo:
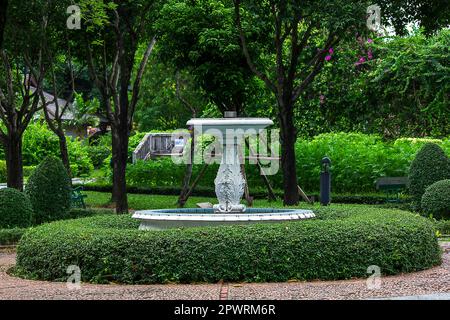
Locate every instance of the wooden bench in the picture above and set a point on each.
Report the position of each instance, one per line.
(78, 198)
(392, 187)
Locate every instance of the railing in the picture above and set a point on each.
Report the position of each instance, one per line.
(143, 149)
(156, 145)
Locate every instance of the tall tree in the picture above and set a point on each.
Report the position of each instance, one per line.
(22, 72)
(122, 26)
(200, 36)
(303, 34)
(56, 115)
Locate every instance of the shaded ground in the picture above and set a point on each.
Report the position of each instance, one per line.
(435, 283)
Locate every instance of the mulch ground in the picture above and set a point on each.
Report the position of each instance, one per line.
(432, 281)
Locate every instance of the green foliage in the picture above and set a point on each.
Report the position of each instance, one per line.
(431, 164)
(340, 244)
(3, 171)
(201, 38)
(40, 142)
(11, 236)
(358, 160)
(443, 226)
(98, 154)
(49, 189)
(436, 199)
(15, 209)
(403, 79)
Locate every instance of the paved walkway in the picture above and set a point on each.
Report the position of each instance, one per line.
(429, 284)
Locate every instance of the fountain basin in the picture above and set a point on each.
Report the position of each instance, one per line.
(195, 217)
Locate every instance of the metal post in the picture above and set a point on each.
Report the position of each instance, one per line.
(325, 182)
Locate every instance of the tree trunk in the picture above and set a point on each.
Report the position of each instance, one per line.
(3, 9)
(64, 152)
(187, 174)
(288, 165)
(119, 160)
(14, 165)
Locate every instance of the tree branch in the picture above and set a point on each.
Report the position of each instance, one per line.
(319, 61)
(180, 97)
(253, 68)
(137, 81)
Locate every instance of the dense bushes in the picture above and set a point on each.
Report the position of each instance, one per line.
(430, 165)
(436, 199)
(49, 189)
(15, 209)
(401, 89)
(340, 244)
(357, 161)
(39, 142)
(11, 236)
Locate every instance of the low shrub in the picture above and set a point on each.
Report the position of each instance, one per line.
(28, 170)
(340, 244)
(436, 199)
(15, 209)
(258, 192)
(49, 189)
(430, 165)
(11, 236)
(443, 226)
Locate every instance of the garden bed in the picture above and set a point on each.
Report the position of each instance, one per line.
(340, 244)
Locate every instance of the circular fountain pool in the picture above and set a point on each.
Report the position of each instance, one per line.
(175, 218)
(229, 183)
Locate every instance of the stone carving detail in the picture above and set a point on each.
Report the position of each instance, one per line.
(229, 183)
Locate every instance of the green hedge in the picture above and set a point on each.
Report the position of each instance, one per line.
(11, 236)
(15, 209)
(340, 244)
(256, 193)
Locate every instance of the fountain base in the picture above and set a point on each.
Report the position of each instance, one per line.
(177, 218)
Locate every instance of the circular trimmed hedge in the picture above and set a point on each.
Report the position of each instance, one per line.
(436, 199)
(15, 209)
(341, 243)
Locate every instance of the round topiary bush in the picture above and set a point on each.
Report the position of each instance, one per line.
(340, 244)
(436, 199)
(49, 189)
(431, 164)
(15, 209)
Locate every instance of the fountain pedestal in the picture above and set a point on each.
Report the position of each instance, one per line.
(230, 181)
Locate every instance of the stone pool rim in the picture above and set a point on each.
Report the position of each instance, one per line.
(194, 217)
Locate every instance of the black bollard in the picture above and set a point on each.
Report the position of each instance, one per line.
(325, 182)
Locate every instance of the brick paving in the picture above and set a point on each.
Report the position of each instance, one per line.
(434, 282)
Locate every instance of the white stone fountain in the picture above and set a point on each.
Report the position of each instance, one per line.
(229, 184)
